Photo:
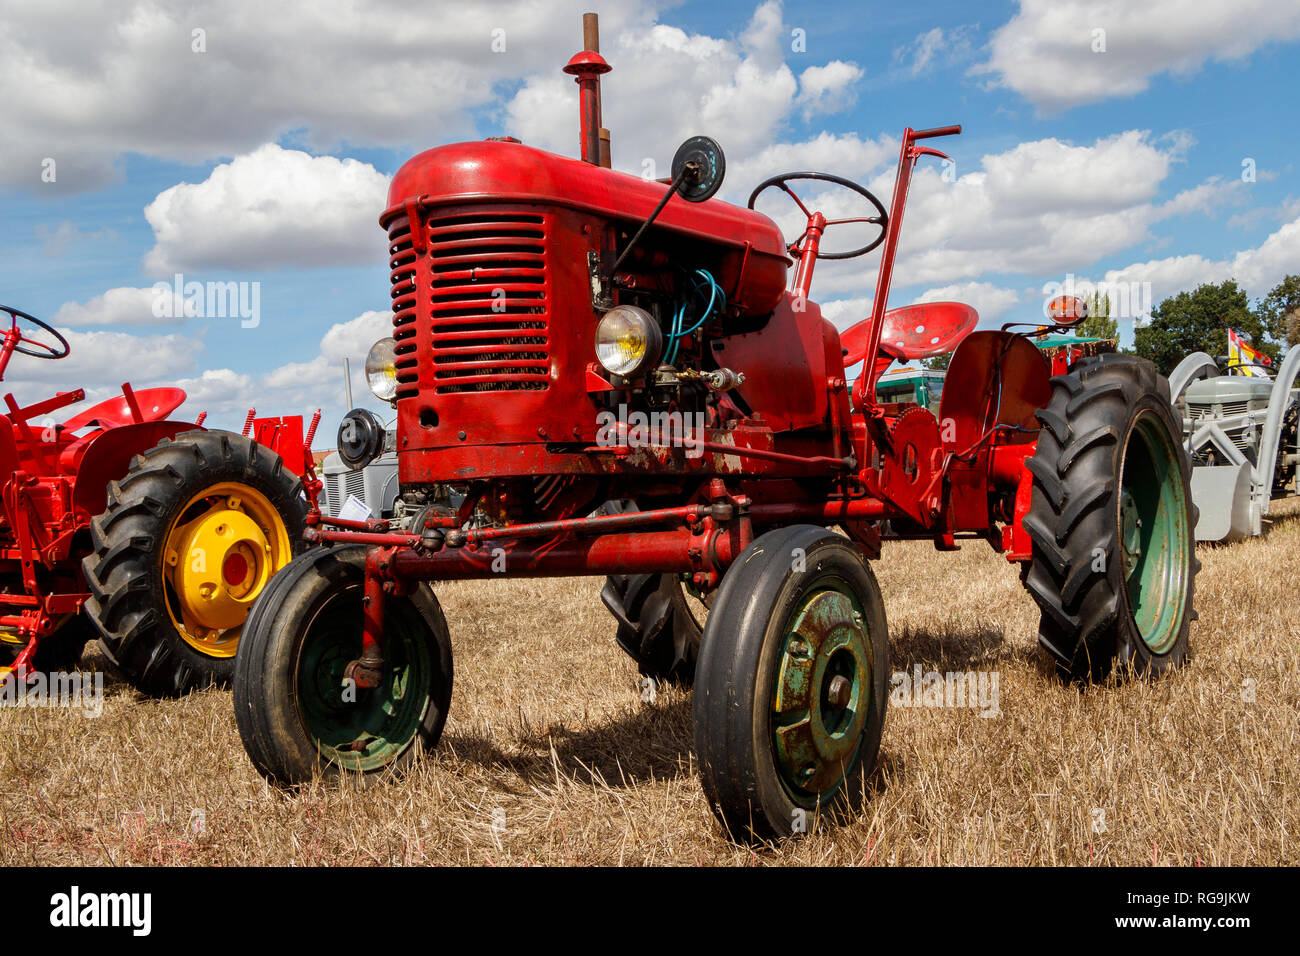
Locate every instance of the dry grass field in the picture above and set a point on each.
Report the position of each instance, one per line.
(551, 757)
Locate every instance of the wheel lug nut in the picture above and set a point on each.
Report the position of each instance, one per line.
(840, 691)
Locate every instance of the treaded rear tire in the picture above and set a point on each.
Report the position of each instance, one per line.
(128, 602)
(1077, 574)
(656, 627)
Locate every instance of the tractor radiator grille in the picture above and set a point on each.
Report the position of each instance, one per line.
(487, 303)
(1201, 410)
(338, 487)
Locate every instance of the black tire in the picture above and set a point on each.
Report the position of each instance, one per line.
(132, 603)
(1107, 431)
(656, 626)
(315, 603)
(745, 643)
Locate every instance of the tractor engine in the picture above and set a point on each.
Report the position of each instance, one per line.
(513, 331)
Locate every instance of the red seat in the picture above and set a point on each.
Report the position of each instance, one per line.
(913, 331)
(155, 405)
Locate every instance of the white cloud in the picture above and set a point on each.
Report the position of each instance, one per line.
(273, 207)
(829, 88)
(99, 361)
(121, 306)
(1257, 269)
(990, 301)
(1046, 52)
(934, 48)
(668, 84)
(1041, 207)
(87, 83)
(845, 312)
(297, 387)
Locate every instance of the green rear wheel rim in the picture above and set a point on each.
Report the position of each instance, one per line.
(822, 696)
(1154, 533)
(357, 729)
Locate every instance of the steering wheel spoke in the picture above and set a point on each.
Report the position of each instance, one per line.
(881, 219)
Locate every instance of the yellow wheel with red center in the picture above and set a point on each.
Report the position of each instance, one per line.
(191, 535)
(221, 551)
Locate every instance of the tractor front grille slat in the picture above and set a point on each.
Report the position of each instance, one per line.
(487, 304)
(1206, 410)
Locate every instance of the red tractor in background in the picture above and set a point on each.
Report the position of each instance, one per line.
(624, 379)
(151, 533)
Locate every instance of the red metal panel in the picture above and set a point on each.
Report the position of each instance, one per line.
(784, 365)
(501, 172)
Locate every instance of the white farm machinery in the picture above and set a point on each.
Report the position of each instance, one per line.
(1239, 427)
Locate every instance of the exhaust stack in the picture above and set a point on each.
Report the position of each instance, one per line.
(586, 69)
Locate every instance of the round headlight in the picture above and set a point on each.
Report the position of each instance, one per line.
(361, 438)
(628, 341)
(381, 369)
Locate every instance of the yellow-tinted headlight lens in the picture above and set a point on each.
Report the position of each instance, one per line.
(628, 341)
(381, 369)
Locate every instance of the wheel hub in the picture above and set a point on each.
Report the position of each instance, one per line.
(222, 550)
(822, 693)
(1130, 531)
(219, 567)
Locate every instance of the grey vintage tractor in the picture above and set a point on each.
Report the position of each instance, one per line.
(1240, 433)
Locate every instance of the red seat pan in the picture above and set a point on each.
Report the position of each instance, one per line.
(155, 405)
(913, 331)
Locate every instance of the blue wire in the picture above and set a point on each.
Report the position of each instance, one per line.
(677, 333)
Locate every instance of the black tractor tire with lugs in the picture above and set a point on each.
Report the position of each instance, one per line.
(124, 573)
(1109, 472)
(655, 625)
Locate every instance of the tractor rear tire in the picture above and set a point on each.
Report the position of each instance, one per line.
(1111, 523)
(296, 713)
(791, 691)
(168, 623)
(656, 627)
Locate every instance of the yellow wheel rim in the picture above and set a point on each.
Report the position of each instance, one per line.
(223, 547)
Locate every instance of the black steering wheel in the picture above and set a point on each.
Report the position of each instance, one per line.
(881, 220)
(40, 350)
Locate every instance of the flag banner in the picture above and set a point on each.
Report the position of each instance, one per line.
(1241, 353)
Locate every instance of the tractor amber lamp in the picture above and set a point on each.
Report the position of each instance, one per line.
(381, 369)
(1067, 310)
(628, 341)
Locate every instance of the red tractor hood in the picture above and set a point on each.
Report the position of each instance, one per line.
(497, 171)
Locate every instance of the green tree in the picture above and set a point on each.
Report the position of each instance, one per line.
(1280, 311)
(938, 362)
(1198, 321)
(1098, 324)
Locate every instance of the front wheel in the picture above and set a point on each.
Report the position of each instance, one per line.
(1111, 519)
(790, 689)
(296, 713)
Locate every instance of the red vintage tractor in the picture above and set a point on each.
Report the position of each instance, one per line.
(151, 533)
(625, 379)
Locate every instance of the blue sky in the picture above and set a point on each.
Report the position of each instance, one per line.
(263, 156)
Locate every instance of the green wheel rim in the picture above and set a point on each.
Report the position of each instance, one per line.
(357, 729)
(822, 697)
(1154, 533)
